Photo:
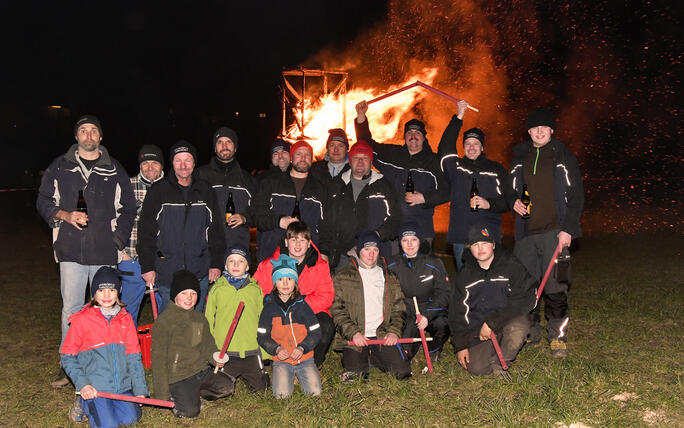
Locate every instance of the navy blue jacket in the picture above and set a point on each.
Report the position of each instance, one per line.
(111, 208)
(376, 208)
(491, 178)
(276, 199)
(424, 277)
(394, 162)
(235, 180)
(494, 296)
(176, 234)
(568, 189)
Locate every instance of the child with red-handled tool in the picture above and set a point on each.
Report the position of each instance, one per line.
(289, 330)
(182, 351)
(244, 357)
(101, 353)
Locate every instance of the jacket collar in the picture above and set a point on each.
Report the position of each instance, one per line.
(103, 160)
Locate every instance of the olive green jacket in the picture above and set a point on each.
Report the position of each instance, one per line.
(348, 308)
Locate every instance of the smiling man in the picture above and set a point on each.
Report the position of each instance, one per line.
(314, 280)
(462, 173)
(335, 161)
(492, 293)
(85, 241)
(181, 227)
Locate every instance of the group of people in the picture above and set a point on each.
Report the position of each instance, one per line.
(343, 251)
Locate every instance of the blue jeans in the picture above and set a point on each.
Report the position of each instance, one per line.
(164, 296)
(104, 412)
(306, 373)
(132, 287)
(458, 255)
(73, 280)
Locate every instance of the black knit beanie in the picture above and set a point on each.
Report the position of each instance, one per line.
(88, 118)
(540, 117)
(224, 131)
(184, 280)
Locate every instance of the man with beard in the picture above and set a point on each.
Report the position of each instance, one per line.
(230, 181)
(414, 159)
(151, 161)
(474, 169)
(335, 161)
(280, 159)
(181, 228)
(85, 240)
(360, 199)
(286, 197)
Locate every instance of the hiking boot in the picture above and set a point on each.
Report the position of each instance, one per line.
(77, 412)
(61, 381)
(347, 378)
(558, 349)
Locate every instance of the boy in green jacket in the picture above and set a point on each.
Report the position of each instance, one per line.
(182, 351)
(235, 286)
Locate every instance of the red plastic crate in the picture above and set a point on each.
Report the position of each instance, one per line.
(145, 339)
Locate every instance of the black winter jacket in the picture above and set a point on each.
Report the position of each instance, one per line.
(110, 201)
(491, 178)
(376, 208)
(394, 162)
(176, 234)
(494, 296)
(276, 199)
(568, 189)
(319, 169)
(235, 180)
(425, 277)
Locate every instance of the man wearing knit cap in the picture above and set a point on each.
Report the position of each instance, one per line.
(151, 163)
(286, 197)
(368, 305)
(462, 173)
(415, 159)
(492, 294)
(553, 180)
(335, 161)
(280, 159)
(360, 199)
(87, 238)
(230, 182)
(181, 227)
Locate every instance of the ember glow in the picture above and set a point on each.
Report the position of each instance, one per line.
(324, 113)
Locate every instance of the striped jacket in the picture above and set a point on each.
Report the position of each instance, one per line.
(140, 187)
(111, 208)
(494, 296)
(104, 354)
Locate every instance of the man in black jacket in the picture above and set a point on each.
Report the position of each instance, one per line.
(554, 182)
(474, 169)
(282, 196)
(360, 199)
(230, 181)
(415, 159)
(422, 275)
(280, 159)
(335, 161)
(493, 293)
(181, 227)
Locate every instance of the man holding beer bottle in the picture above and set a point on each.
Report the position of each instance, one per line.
(234, 186)
(553, 180)
(94, 232)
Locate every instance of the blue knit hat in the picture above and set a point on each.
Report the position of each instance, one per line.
(410, 228)
(284, 266)
(238, 249)
(105, 277)
(367, 238)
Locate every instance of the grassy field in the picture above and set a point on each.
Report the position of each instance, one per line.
(624, 367)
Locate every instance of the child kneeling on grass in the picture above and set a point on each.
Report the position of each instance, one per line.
(243, 356)
(101, 353)
(182, 351)
(289, 330)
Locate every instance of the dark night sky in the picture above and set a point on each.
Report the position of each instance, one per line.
(158, 71)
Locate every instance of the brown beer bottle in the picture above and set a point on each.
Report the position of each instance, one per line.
(410, 188)
(525, 199)
(473, 192)
(295, 212)
(82, 207)
(230, 207)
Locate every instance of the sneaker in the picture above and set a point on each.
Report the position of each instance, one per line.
(77, 413)
(61, 381)
(558, 349)
(350, 377)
